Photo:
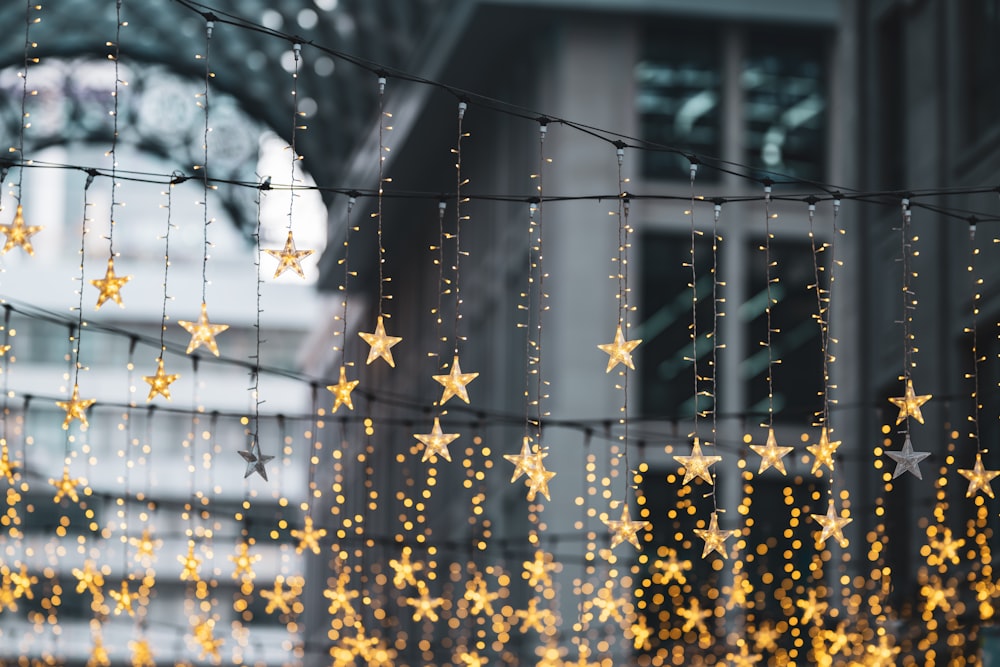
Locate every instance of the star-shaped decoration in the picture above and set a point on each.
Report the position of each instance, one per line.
(534, 618)
(744, 658)
(436, 442)
(523, 462)
(342, 391)
(715, 539)
(823, 451)
(641, 632)
(766, 637)
(909, 403)
(203, 332)
(308, 537)
(288, 257)
(18, 234)
(142, 653)
(360, 646)
(471, 659)
(812, 608)
(907, 460)
(7, 467)
(480, 596)
(159, 384)
(937, 596)
(256, 460)
(23, 581)
(244, 561)
(66, 486)
(697, 464)
(946, 546)
(340, 597)
(454, 382)
(833, 525)
(190, 564)
(109, 287)
(671, 569)
(381, 344)
(204, 637)
(537, 571)
(424, 606)
(98, 653)
(278, 597)
(8, 600)
(979, 478)
(608, 605)
(76, 408)
(538, 479)
(89, 579)
(625, 530)
(771, 454)
(145, 546)
(694, 617)
(404, 570)
(619, 350)
(123, 600)
(882, 654)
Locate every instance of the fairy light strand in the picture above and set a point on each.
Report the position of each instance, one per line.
(769, 264)
(296, 55)
(716, 316)
(28, 60)
(459, 218)
(205, 185)
(114, 56)
(382, 296)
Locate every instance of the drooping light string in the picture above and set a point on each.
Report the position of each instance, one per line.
(979, 477)
(771, 453)
(159, 383)
(8, 467)
(832, 523)
(342, 390)
(17, 232)
(254, 458)
(203, 332)
(909, 403)
(125, 500)
(380, 343)
(310, 537)
(289, 257)
(455, 381)
(109, 287)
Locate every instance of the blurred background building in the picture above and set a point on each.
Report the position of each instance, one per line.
(884, 97)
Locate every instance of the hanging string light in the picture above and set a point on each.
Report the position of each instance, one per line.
(342, 390)
(202, 331)
(109, 287)
(381, 344)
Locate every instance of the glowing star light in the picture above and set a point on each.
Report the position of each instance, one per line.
(812, 608)
(309, 537)
(76, 408)
(697, 464)
(159, 384)
(7, 467)
(538, 481)
(340, 597)
(454, 382)
(342, 391)
(436, 442)
(381, 344)
(123, 600)
(537, 571)
(523, 462)
(424, 606)
(625, 530)
(823, 451)
(909, 403)
(715, 539)
(771, 454)
(89, 579)
(833, 525)
(142, 654)
(145, 546)
(480, 596)
(190, 563)
(278, 597)
(110, 285)
(66, 486)
(204, 636)
(404, 570)
(979, 478)
(18, 234)
(244, 561)
(694, 616)
(907, 460)
(203, 332)
(288, 257)
(619, 350)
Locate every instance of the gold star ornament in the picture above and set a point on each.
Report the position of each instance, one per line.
(619, 350)
(190, 564)
(203, 332)
(18, 234)
(833, 525)
(342, 391)
(454, 382)
(436, 442)
(697, 465)
(979, 478)
(823, 451)
(123, 600)
(7, 467)
(309, 537)
(109, 287)
(66, 486)
(626, 530)
(381, 344)
(159, 383)
(288, 257)
(76, 408)
(243, 562)
(715, 539)
(771, 454)
(909, 403)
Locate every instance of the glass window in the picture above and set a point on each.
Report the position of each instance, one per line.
(783, 80)
(678, 97)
